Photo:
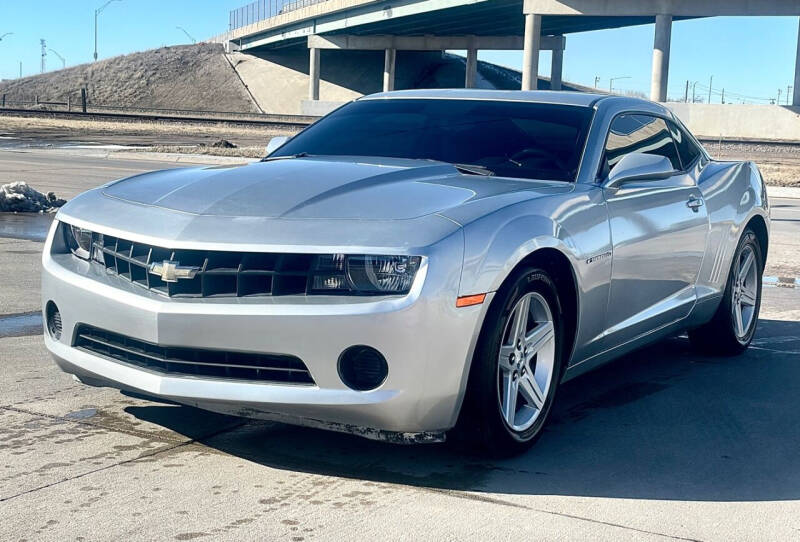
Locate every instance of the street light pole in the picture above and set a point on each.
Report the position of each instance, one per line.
(611, 82)
(4, 35)
(710, 83)
(182, 29)
(96, 13)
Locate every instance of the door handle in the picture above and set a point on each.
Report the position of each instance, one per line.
(694, 204)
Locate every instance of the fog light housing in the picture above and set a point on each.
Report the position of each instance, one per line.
(362, 368)
(53, 320)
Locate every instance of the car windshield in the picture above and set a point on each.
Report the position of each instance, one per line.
(507, 139)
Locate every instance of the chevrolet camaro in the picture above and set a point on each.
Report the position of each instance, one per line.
(416, 263)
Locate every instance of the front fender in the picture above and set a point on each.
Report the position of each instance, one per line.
(575, 224)
(507, 241)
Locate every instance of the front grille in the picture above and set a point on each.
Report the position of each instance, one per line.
(198, 362)
(219, 273)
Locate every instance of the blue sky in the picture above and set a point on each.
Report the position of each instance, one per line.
(751, 56)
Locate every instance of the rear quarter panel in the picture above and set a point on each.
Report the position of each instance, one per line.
(734, 193)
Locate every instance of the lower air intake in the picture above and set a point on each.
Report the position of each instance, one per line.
(194, 362)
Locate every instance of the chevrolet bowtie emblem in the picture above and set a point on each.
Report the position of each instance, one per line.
(171, 271)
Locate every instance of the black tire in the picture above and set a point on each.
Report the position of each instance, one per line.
(718, 337)
(480, 421)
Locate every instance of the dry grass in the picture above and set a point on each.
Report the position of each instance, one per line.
(238, 152)
(85, 127)
(196, 77)
(780, 174)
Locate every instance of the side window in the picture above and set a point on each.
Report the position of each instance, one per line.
(687, 148)
(631, 133)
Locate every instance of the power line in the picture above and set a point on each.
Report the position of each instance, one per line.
(733, 94)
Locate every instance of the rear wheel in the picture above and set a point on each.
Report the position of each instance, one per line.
(732, 328)
(516, 368)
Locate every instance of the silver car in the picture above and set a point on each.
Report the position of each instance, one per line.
(413, 264)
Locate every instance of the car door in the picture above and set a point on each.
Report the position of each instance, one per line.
(658, 232)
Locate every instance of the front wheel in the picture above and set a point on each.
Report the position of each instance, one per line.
(516, 367)
(732, 328)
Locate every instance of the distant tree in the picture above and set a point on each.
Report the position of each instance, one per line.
(635, 94)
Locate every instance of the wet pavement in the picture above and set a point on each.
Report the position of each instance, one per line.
(29, 226)
(19, 325)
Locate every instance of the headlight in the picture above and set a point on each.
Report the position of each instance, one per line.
(78, 240)
(363, 274)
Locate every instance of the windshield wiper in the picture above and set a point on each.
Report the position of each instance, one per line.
(473, 169)
(287, 157)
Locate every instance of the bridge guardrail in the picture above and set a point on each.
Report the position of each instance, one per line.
(264, 9)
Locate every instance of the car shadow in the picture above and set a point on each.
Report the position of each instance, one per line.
(661, 423)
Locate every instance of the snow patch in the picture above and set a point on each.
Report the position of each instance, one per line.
(19, 197)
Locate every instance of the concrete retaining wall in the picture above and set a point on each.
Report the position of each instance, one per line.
(278, 80)
(739, 121)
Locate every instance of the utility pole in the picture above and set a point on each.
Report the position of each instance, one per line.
(596, 80)
(779, 97)
(44, 55)
(686, 94)
(20, 69)
(723, 96)
(63, 62)
(788, 93)
(694, 92)
(710, 82)
(96, 13)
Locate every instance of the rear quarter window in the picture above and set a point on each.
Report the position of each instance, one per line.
(687, 148)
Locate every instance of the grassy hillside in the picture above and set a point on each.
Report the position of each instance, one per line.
(196, 77)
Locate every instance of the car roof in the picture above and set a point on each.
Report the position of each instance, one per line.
(538, 96)
(557, 97)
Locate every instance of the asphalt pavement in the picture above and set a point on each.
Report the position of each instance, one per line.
(662, 444)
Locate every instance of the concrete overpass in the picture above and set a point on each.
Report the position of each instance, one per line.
(471, 25)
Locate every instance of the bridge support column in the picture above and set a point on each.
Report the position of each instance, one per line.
(472, 68)
(531, 47)
(313, 74)
(661, 45)
(796, 92)
(556, 69)
(389, 60)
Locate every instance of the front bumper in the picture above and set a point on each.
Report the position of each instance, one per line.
(425, 339)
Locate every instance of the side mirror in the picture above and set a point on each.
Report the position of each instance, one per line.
(275, 143)
(639, 166)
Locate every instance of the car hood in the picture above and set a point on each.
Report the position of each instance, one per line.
(317, 188)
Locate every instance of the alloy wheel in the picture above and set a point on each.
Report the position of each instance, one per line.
(526, 362)
(744, 292)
